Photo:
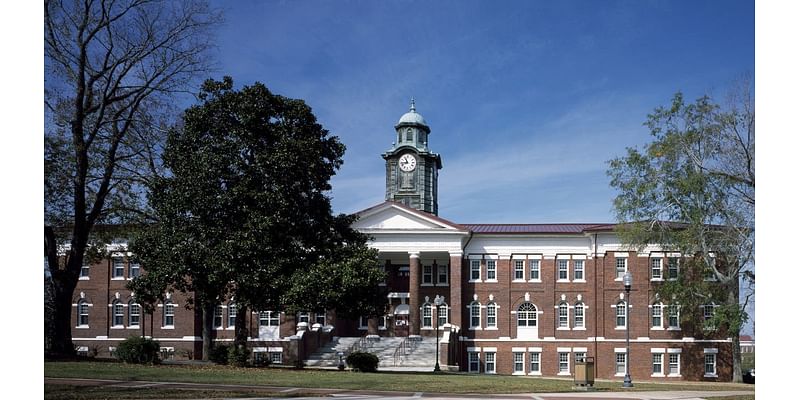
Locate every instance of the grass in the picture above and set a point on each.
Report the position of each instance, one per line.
(72, 392)
(381, 381)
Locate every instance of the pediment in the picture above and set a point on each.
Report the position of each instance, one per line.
(392, 216)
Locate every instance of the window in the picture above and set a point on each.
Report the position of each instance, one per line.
(622, 267)
(118, 314)
(534, 264)
(580, 356)
(563, 265)
(474, 362)
(409, 135)
(363, 322)
(674, 364)
(442, 314)
(319, 317)
(578, 267)
(443, 275)
(658, 364)
(475, 315)
(655, 269)
(218, 316)
(231, 315)
(269, 318)
(710, 362)
(304, 316)
(491, 315)
(535, 362)
(519, 270)
(621, 314)
(491, 270)
(708, 316)
(133, 270)
(672, 268)
(427, 275)
(134, 313)
(655, 316)
(169, 314)
(579, 315)
(276, 357)
(475, 270)
(563, 363)
(563, 315)
(526, 315)
(673, 317)
(83, 313)
(85, 270)
(490, 362)
(620, 363)
(519, 363)
(427, 316)
(382, 322)
(117, 267)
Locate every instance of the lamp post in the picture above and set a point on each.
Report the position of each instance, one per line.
(439, 300)
(627, 280)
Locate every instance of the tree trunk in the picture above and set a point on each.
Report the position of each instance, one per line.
(61, 343)
(208, 319)
(736, 351)
(240, 338)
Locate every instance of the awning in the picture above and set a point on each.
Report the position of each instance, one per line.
(401, 309)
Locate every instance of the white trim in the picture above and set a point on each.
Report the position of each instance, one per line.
(489, 349)
(713, 350)
(473, 349)
(673, 350)
(534, 349)
(620, 254)
(620, 350)
(657, 350)
(564, 349)
(580, 349)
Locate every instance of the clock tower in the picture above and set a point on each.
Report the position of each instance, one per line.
(412, 170)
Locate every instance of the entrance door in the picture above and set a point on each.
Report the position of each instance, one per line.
(268, 325)
(401, 325)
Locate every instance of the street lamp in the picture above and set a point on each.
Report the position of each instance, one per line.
(438, 300)
(627, 280)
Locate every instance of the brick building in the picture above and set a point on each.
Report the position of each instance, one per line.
(522, 299)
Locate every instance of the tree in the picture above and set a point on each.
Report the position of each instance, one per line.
(244, 213)
(112, 68)
(692, 191)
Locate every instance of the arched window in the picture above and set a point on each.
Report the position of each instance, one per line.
(409, 135)
(563, 315)
(656, 316)
(621, 314)
(134, 313)
(118, 314)
(231, 314)
(475, 315)
(443, 314)
(427, 314)
(526, 315)
(83, 313)
(169, 314)
(491, 315)
(580, 314)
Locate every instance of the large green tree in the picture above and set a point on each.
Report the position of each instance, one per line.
(244, 211)
(691, 190)
(112, 68)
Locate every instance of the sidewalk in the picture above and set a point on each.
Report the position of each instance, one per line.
(345, 394)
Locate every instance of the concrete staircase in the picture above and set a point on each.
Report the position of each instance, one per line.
(422, 356)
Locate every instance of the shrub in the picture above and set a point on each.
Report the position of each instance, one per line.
(219, 354)
(361, 361)
(238, 355)
(138, 350)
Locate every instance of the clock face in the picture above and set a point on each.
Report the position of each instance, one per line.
(407, 163)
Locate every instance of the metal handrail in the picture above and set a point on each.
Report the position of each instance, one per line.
(403, 349)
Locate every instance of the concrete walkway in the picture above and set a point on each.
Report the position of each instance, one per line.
(345, 394)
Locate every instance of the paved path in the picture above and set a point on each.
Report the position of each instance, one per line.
(345, 394)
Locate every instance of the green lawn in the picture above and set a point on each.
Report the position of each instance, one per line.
(389, 381)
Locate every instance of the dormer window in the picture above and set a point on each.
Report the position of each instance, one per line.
(409, 135)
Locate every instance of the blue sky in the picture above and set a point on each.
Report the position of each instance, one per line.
(526, 100)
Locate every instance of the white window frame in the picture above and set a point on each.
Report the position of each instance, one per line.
(562, 266)
(676, 265)
(563, 363)
(117, 314)
(275, 357)
(426, 314)
(491, 269)
(133, 266)
(710, 353)
(442, 314)
(427, 275)
(708, 318)
(491, 315)
(659, 363)
(579, 269)
(618, 364)
(474, 359)
(363, 322)
(657, 311)
(671, 315)
(217, 317)
(117, 265)
(519, 363)
(168, 306)
(562, 316)
(233, 310)
(535, 364)
(134, 306)
(526, 314)
(670, 363)
(85, 271)
(535, 268)
(624, 306)
(490, 362)
(474, 308)
(619, 272)
(442, 275)
(83, 317)
(474, 270)
(656, 264)
(519, 271)
(579, 321)
(321, 314)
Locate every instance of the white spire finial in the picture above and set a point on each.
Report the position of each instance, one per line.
(413, 107)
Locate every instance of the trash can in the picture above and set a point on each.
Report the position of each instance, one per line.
(584, 372)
